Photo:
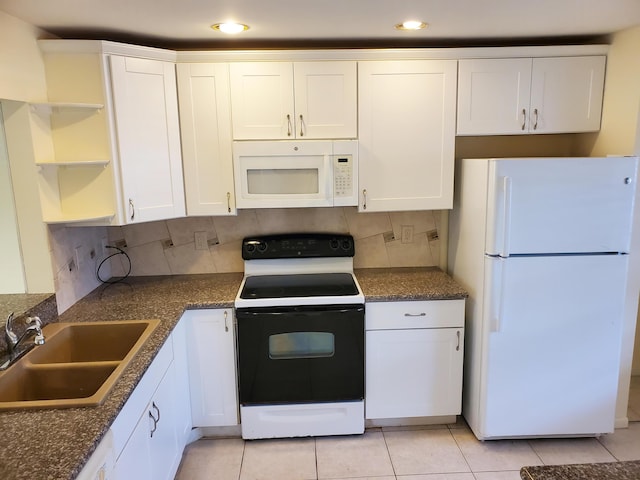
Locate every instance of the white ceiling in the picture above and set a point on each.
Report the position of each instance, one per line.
(187, 22)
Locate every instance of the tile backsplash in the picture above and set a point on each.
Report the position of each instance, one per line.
(389, 239)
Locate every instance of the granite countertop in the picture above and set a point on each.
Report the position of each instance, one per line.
(56, 443)
(415, 283)
(593, 471)
(20, 302)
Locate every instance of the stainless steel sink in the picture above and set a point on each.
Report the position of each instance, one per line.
(76, 367)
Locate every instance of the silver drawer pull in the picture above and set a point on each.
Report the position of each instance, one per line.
(415, 314)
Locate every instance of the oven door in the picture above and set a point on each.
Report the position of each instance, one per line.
(303, 354)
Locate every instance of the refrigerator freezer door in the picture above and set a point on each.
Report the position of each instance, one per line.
(560, 205)
(552, 328)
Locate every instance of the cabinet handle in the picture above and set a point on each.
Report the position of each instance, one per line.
(458, 345)
(524, 118)
(301, 126)
(155, 424)
(535, 124)
(364, 199)
(132, 209)
(288, 125)
(229, 202)
(155, 407)
(421, 314)
(226, 327)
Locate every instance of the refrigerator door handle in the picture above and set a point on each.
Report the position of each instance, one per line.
(497, 297)
(506, 215)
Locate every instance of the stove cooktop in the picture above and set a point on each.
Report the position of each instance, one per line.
(299, 285)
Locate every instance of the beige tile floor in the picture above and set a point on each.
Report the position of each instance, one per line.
(446, 452)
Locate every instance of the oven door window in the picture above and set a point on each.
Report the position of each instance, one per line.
(287, 346)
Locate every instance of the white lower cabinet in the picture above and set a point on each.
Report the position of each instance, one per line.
(212, 367)
(151, 450)
(414, 353)
(146, 432)
(101, 463)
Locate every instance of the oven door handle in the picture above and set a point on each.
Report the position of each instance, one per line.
(312, 310)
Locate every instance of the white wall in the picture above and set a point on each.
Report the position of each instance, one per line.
(12, 279)
(22, 79)
(619, 136)
(21, 64)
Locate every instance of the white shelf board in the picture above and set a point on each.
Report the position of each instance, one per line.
(48, 106)
(74, 163)
(84, 219)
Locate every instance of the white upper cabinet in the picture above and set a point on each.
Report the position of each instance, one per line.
(283, 100)
(114, 155)
(567, 94)
(205, 121)
(407, 112)
(507, 96)
(146, 115)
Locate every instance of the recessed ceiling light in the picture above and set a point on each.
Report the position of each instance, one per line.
(229, 27)
(411, 25)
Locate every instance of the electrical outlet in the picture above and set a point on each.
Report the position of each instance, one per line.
(406, 235)
(104, 241)
(201, 241)
(80, 255)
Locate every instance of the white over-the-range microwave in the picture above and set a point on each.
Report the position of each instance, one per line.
(280, 174)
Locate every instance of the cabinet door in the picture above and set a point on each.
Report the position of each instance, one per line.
(181, 391)
(205, 121)
(325, 99)
(148, 137)
(566, 94)
(165, 454)
(212, 367)
(262, 100)
(414, 373)
(407, 113)
(135, 459)
(152, 451)
(493, 96)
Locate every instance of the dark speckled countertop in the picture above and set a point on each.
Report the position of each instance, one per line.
(55, 444)
(591, 471)
(399, 284)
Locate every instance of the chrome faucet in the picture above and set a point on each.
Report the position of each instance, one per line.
(13, 341)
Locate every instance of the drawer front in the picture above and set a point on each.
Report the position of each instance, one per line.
(414, 314)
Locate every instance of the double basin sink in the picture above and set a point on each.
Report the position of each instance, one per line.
(76, 367)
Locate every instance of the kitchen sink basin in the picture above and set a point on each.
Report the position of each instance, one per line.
(54, 383)
(76, 367)
(88, 342)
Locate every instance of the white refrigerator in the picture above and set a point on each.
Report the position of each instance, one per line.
(541, 245)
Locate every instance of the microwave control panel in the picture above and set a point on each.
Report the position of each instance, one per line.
(343, 175)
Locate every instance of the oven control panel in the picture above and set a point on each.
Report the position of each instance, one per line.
(302, 245)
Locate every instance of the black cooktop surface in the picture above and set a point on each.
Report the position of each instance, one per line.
(299, 285)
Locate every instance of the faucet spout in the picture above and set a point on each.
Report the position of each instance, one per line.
(34, 326)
